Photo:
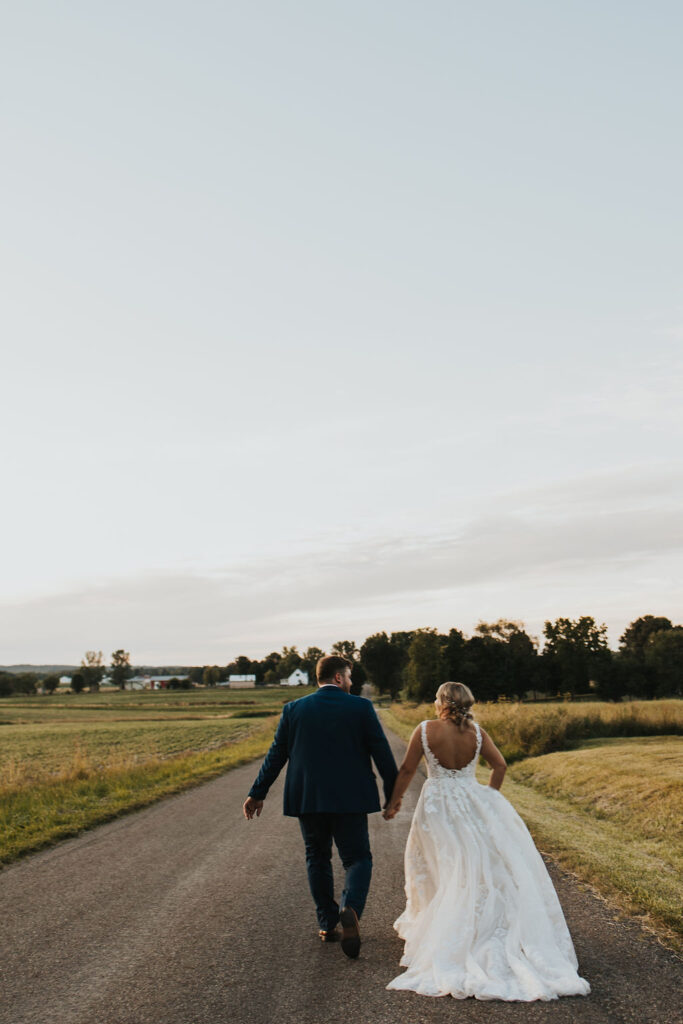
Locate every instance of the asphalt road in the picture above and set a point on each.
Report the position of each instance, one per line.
(184, 913)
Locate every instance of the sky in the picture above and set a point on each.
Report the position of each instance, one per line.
(324, 319)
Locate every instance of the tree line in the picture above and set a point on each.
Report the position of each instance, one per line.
(501, 660)
(88, 676)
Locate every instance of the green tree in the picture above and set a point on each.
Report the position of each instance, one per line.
(424, 671)
(6, 684)
(26, 682)
(636, 636)
(358, 678)
(577, 652)
(290, 660)
(640, 672)
(312, 656)
(78, 682)
(51, 682)
(346, 649)
(483, 667)
(383, 662)
(513, 657)
(454, 653)
(120, 670)
(211, 675)
(664, 661)
(92, 670)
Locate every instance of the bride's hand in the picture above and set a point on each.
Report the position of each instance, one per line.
(391, 811)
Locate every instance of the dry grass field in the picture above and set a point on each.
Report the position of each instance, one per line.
(527, 730)
(606, 807)
(72, 761)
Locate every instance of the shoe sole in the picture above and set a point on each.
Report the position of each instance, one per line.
(350, 941)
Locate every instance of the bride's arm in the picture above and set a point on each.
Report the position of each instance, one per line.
(494, 759)
(405, 774)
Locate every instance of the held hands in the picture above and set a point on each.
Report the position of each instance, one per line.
(252, 807)
(391, 810)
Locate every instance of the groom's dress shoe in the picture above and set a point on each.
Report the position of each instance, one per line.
(331, 935)
(350, 942)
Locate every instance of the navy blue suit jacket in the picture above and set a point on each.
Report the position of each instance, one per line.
(328, 738)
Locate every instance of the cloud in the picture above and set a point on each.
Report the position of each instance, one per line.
(584, 541)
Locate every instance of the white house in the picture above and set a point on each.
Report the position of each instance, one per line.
(297, 678)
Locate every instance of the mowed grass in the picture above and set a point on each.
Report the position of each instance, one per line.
(608, 810)
(71, 763)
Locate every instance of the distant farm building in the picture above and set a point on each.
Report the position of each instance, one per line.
(150, 682)
(242, 682)
(297, 678)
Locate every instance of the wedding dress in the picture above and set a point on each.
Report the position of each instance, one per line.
(482, 917)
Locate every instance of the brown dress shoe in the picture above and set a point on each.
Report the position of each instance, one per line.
(350, 942)
(332, 935)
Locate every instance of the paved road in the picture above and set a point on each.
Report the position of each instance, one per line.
(184, 913)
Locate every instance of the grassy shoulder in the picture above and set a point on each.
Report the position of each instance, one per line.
(607, 812)
(89, 788)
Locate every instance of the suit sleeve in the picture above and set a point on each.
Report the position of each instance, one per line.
(381, 752)
(275, 759)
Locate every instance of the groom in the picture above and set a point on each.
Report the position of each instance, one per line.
(329, 738)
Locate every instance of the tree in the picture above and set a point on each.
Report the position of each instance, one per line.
(6, 684)
(576, 652)
(346, 649)
(92, 670)
(454, 652)
(383, 662)
(290, 660)
(639, 671)
(77, 682)
(664, 661)
(120, 669)
(312, 656)
(635, 637)
(358, 678)
(424, 671)
(211, 675)
(26, 682)
(51, 682)
(515, 656)
(483, 667)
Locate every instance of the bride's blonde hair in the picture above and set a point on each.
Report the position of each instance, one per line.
(455, 701)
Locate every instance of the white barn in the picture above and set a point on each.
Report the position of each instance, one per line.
(297, 678)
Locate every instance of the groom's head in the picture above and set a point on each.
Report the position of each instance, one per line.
(335, 670)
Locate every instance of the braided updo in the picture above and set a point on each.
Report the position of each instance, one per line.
(454, 701)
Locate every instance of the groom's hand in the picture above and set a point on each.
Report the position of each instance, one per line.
(391, 810)
(252, 807)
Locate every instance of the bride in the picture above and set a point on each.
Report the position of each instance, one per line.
(482, 917)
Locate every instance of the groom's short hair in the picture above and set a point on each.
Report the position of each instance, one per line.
(328, 667)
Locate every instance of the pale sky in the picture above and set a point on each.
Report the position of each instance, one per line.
(325, 318)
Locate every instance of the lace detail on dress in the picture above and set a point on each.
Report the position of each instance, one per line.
(482, 917)
(437, 771)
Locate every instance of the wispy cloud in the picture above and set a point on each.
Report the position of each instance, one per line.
(581, 538)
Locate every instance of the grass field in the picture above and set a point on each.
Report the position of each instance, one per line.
(527, 730)
(609, 809)
(598, 785)
(69, 762)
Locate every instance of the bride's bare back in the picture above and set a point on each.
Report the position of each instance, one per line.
(452, 746)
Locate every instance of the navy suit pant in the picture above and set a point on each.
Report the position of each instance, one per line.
(350, 835)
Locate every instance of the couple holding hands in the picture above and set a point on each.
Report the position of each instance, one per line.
(482, 917)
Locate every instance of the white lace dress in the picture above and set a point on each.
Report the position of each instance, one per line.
(482, 917)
